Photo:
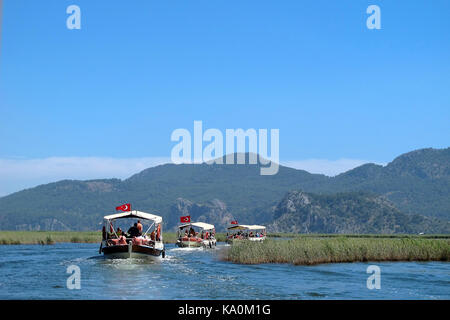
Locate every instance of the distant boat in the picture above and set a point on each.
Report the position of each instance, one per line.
(196, 234)
(141, 246)
(246, 232)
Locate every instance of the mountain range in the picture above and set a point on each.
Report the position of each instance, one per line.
(409, 194)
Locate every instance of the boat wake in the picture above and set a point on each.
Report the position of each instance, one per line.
(186, 249)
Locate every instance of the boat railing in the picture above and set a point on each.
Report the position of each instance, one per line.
(210, 237)
(116, 241)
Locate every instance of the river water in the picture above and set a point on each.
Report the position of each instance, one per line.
(40, 272)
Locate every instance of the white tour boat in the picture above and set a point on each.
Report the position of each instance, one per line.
(139, 245)
(196, 234)
(246, 232)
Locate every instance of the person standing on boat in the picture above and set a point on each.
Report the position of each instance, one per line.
(139, 226)
(134, 231)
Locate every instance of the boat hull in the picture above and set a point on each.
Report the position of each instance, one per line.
(132, 251)
(196, 244)
(253, 239)
(257, 239)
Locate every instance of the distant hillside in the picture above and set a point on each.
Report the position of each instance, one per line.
(417, 183)
(214, 212)
(80, 205)
(301, 212)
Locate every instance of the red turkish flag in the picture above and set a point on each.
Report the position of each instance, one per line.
(185, 219)
(234, 222)
(124, 207)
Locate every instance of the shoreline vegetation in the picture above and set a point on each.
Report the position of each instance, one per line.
(52, 237)
(297, 249)
(308, 250)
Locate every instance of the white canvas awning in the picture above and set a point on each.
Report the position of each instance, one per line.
(134, 214)
(246, 227)
(204, 226)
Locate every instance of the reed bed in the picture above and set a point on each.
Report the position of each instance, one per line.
(338, 235)
(310, 251)
(48, 237)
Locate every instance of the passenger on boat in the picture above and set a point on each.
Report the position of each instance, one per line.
(152, 235)
(139, 226)
(138, 240)
(158, 233)
(119, 231)
(191, 232)
(111, 235)
(122, 240)
(134, 231)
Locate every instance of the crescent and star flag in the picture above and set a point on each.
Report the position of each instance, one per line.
(185, 219)
(234, 222)
(124, 207)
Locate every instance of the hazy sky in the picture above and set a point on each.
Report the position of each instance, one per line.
(340, 94)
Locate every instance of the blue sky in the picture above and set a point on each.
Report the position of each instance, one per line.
(137, 70)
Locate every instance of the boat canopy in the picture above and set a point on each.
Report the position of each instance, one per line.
(134, 214)
(204, 226)
(246, 227)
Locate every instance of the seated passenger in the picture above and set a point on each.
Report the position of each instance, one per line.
(113, 242)
(122, 240)
(111, 235)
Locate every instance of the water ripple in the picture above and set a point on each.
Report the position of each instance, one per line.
(39, 272)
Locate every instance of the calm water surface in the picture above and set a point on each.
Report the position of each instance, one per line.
(39, 272)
